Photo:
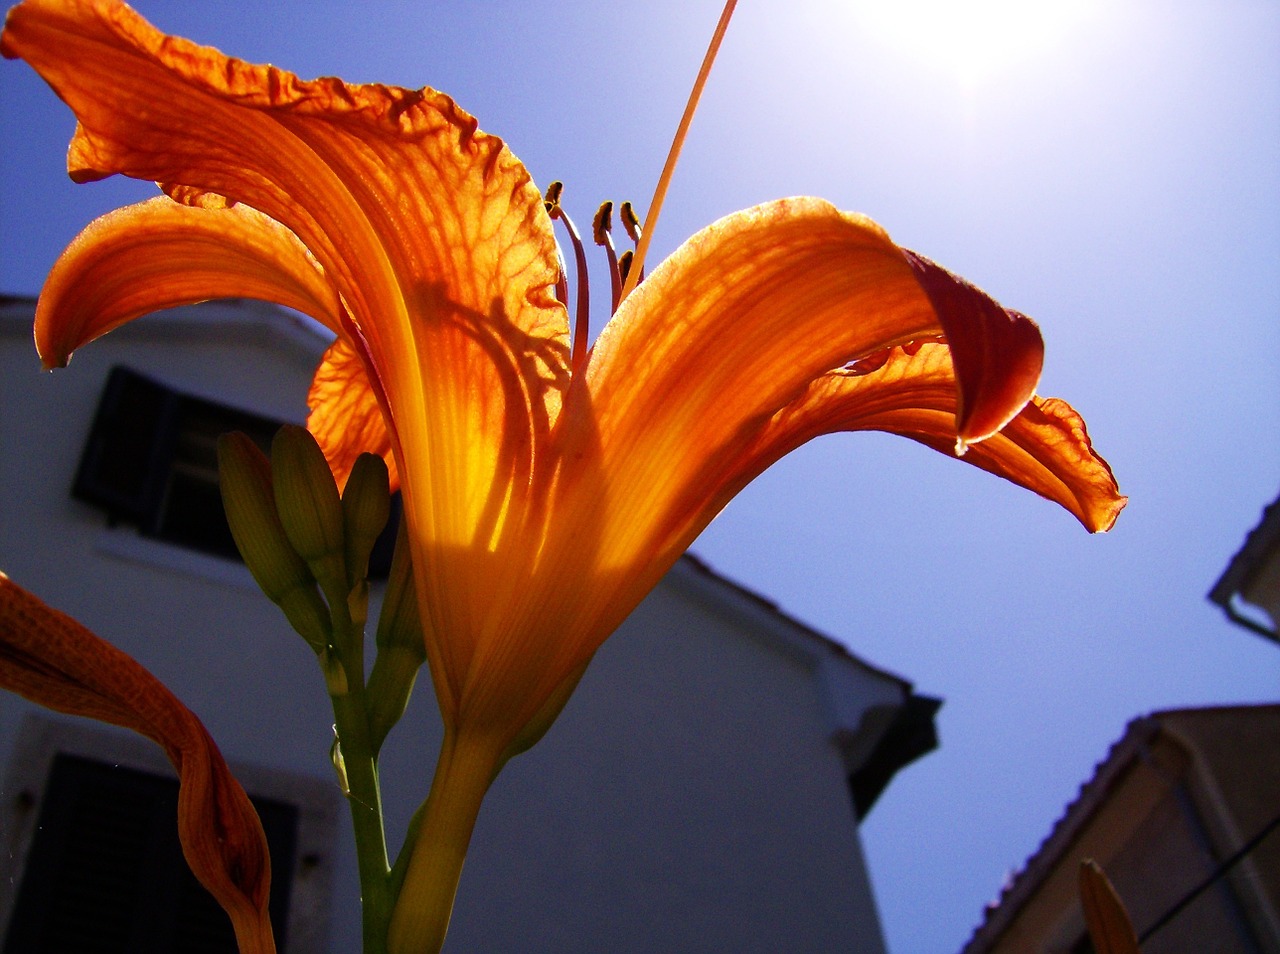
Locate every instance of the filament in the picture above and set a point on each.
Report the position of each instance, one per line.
(581, 316)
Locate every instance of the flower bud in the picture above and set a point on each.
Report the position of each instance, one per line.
(244, 476)
(401, 648)
(366, 505)
(309, 506)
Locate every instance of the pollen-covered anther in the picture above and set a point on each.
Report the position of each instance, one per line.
(551, 199)
(630, 221)
(602, 224)
(624, 264)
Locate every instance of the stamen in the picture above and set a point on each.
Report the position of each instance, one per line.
(550, 202)
(660, 193)
(601, 226)
(580, 323)
(630, 222)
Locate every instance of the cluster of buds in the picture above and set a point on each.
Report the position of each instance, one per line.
(308, 548)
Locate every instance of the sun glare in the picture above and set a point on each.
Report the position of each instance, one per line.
(974, 39)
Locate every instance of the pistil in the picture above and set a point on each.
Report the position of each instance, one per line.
(660, 193)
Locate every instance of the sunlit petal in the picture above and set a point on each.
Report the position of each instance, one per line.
(1045, 448)
(410, 209)
(738, 323)
(49, 658)
(680, 388)
(431, 231)
(345, 417)
(159, 254)
(997, 353)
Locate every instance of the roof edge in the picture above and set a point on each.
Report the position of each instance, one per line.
(242, 318)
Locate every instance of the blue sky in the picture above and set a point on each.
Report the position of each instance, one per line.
(1117, 178)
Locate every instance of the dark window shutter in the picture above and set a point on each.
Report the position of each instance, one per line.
(105, 873)
(125, 461)
(151, 461)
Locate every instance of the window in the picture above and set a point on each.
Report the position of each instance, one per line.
(100, 866)
(151, 462)
(106, 871)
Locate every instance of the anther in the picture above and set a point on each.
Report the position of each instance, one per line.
(601, 226)
(551, 202)
(624, 263)
(580, 324)
(630, 221)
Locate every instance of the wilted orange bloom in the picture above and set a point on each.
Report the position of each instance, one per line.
(545, 496)
(51, 659)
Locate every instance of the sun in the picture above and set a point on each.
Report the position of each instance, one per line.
(976, 40)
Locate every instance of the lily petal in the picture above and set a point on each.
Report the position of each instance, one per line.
(411, 211)
(671, 417)
(345, 417)
(1045, 449)
(160, 254)
(997, 352)
(49, 658)
(737, 323)
(431, 231)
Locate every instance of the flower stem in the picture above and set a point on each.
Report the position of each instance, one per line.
(364, 798)
(356, 758)
(464, 772)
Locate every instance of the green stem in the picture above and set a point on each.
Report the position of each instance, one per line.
(360, 767)
(464, 772)
(364, 798)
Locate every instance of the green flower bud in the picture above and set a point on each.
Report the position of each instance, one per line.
(307, 614)
(366, 505)
(401, 648)
(399, 623)
(390, 685)
(244, 475)
(309, 505)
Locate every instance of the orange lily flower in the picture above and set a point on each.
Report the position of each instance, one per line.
(49, 658)
(547, 489)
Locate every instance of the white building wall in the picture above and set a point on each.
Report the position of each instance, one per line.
(689, 799)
